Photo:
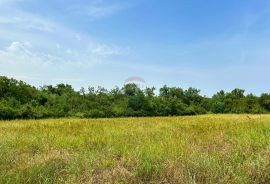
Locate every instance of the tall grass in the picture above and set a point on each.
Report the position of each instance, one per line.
(200, 149)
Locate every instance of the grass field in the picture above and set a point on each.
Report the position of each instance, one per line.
(200, 149)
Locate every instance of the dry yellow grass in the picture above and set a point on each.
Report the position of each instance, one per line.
(199, 149)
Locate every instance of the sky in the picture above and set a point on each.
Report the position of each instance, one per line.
(207, 44)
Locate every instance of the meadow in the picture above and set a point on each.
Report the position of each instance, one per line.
(194, 149)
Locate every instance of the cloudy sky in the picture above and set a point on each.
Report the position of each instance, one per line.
(207, 44)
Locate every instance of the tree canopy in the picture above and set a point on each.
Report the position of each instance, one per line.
(20, 100)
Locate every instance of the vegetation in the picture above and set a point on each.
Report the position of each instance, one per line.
(20, 100)
(188, 149)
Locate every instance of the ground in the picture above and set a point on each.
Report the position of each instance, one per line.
(199, 149)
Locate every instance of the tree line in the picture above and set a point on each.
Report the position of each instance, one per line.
(18, 100)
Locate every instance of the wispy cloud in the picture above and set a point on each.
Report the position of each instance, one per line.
(23, 60)
(38, 44)
(99, 9)
(23, 20)
(8, 2)
(25, 53)
(49, 42)
(106, 50)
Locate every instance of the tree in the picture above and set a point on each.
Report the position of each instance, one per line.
(265, 101)
(130, 89)
(20, 100)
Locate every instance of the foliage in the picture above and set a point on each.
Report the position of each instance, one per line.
(20, 100)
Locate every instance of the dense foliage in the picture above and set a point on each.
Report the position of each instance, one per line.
(20, 100)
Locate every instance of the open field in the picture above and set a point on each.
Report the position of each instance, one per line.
(200, 149)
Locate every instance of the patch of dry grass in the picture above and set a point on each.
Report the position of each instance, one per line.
(199, 149)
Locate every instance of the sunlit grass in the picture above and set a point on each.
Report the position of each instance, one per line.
(200, 149)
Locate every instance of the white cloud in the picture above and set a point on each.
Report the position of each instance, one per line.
(19, 46)
(22, 53)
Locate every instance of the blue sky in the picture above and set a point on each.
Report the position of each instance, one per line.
(207, 44)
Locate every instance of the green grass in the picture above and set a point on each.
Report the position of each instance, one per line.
(200, 149)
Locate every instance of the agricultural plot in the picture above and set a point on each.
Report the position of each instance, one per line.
(199, 149)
